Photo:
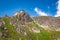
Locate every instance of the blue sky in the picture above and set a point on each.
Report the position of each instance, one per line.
(32, 7)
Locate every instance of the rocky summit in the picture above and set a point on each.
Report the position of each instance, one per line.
(21, 26)
(21, 17)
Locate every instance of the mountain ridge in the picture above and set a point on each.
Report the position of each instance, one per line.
(53, 22)
(23, 27)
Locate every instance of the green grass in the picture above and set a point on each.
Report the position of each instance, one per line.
(14, 35)
(43, 35)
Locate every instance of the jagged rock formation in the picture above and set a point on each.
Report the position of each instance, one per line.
(21, 17)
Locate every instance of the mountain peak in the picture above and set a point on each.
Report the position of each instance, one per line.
(21, 17)
(19, 12)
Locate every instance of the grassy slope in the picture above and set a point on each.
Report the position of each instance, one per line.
(14, 35)
(11, 31)
(48, 35)
(43, 35)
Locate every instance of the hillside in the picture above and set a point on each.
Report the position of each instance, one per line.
(49, 23)
(22, 27)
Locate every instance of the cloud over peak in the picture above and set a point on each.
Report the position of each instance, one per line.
(39, 12)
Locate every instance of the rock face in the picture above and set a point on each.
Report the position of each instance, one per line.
(21, 18)
(48, 22)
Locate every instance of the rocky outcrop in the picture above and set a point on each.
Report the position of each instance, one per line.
(21, 17)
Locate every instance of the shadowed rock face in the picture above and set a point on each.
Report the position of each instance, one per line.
(51, 22)
(21, 18)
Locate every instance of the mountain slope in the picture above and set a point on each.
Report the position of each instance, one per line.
(22, 27)
(49, 23)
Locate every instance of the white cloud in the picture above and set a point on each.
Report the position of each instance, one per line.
(58, 9)
(41, 13)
